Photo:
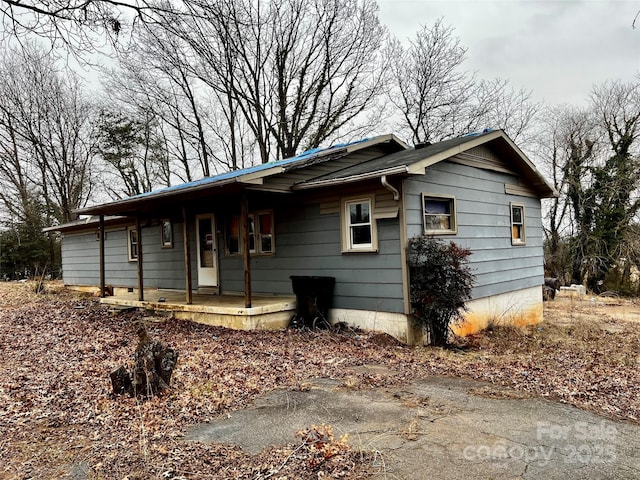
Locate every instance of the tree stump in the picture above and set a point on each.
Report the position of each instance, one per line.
(153, 364)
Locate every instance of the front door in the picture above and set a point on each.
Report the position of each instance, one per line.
(207, 251)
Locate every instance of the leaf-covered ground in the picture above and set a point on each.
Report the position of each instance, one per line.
(57, 411)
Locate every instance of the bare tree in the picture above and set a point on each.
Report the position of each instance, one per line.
(569, 145)
(297, 72)
(168, 86)
(46, 132)
(431, 86)
(438, 99)
(80, 26)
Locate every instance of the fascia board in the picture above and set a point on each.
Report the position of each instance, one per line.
(351, 179)
(420, 166)
(256, 178)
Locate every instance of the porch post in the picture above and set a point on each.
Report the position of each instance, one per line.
(244, 214)
(187, 256)
(101, 233)
(140, 272)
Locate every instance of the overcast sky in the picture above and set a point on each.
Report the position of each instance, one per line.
(557, 48)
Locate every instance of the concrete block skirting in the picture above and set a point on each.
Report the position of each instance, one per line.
(395, 324)
(523, 307)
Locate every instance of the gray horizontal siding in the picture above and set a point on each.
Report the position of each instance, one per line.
(484, 225)
(81, 263)
(308, 243)
(163, 267)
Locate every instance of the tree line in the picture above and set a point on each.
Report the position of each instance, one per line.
(197, 88)
(592, 157)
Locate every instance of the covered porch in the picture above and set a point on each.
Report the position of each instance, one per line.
(267, 312)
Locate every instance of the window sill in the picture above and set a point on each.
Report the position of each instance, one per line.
(440, 232)
(518, 244)
(358, 251)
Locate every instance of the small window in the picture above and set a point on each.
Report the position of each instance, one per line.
(439, 214)
(132, 243)
(166, 232)
(261, 240)
(517, 225)
(359, 233)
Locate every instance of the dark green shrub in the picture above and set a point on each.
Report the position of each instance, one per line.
(440, 282)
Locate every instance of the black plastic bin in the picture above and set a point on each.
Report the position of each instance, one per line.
(313, 300)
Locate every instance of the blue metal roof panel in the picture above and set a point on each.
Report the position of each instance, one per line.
(306, 155)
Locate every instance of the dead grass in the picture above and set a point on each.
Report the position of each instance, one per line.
(57, 349)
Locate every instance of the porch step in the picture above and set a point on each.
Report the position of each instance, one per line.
(118, 309)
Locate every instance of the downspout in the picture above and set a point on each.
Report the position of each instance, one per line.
(391, 188)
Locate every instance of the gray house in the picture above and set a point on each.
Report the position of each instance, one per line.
(221, 250)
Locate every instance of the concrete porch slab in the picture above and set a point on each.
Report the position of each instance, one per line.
(266, 312)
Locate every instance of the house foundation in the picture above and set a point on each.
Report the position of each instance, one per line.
(267, 312)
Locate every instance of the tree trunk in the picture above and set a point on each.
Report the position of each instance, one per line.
(152, 369)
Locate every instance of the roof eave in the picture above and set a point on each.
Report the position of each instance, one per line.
(85, 224)
(545, 190)
(121, 206)
(397, 170)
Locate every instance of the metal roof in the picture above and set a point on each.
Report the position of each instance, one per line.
(247, 176)
(393, 160)
(417, 159)
(402, 161)
(310, 154)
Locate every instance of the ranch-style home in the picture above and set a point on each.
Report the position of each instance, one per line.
(222, 250)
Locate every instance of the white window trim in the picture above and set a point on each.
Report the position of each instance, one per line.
(454, 214)
(345, 225)
(515, 241)
(129, 252)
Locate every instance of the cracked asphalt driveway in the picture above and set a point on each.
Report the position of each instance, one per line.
(443, 428)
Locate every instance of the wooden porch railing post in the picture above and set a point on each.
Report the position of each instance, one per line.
(187, 256)
(102, 276)
(244, 213)
(140, 270)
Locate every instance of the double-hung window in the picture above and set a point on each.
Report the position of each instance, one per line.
(439, 213)
(132, 243)
(359, 228)
(261, 238)
(264, 231)
(517, 224)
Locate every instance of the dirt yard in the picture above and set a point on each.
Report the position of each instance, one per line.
(58, 417)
